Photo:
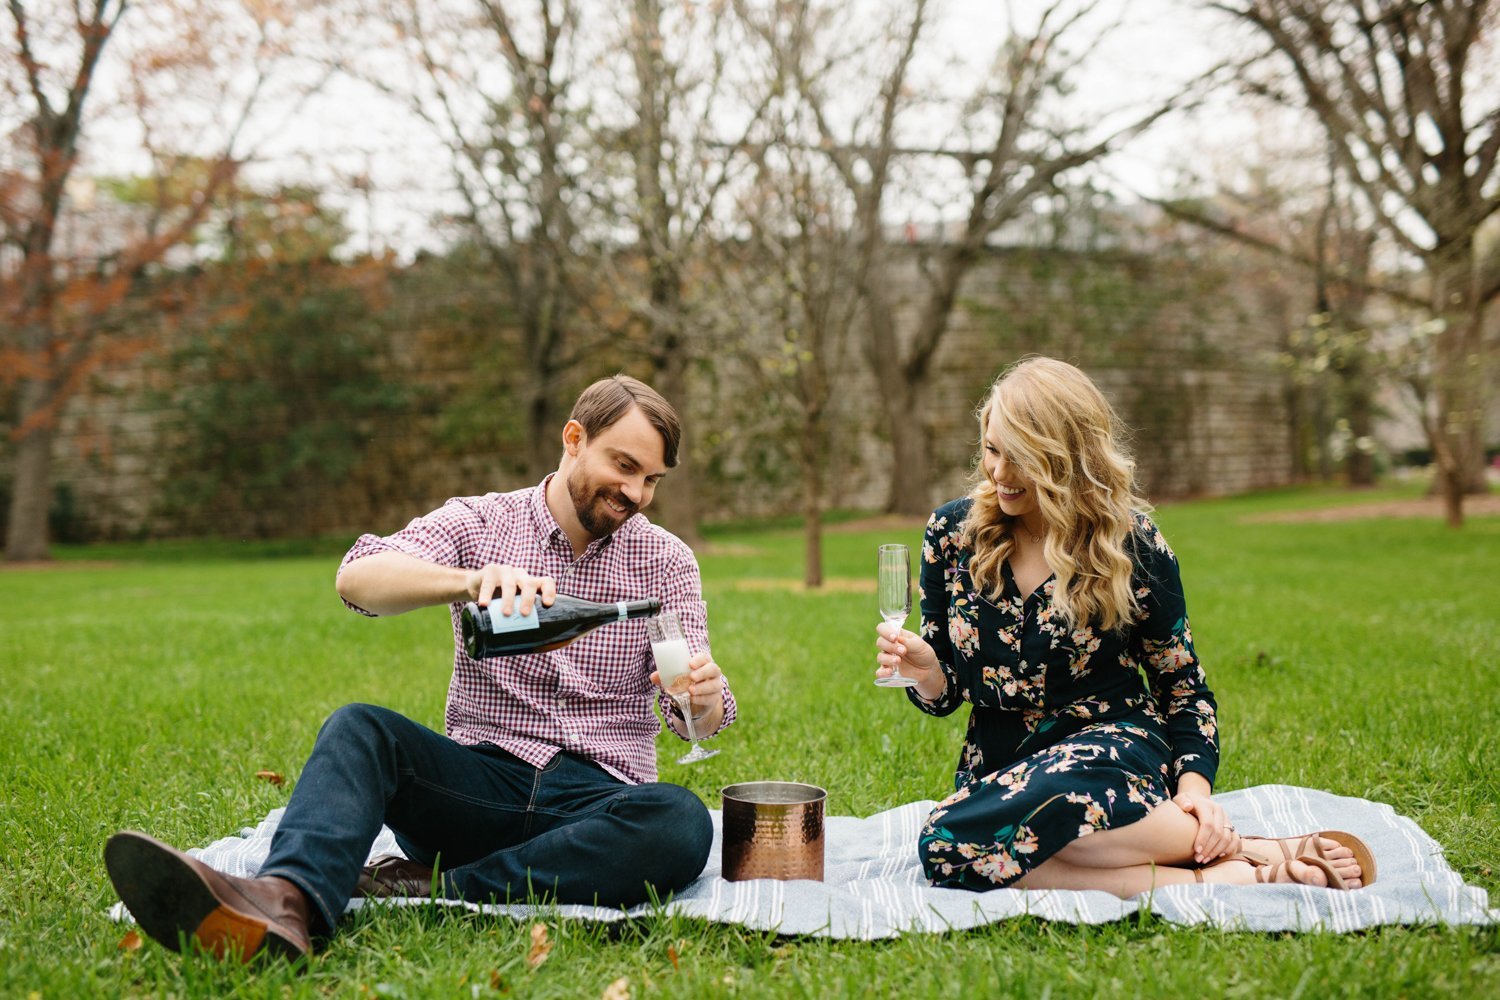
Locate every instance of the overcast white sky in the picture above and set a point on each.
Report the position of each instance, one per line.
(1150, 48)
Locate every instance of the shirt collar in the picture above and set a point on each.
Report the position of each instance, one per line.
(546, 525)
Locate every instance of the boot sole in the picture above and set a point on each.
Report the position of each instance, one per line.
(172, 903)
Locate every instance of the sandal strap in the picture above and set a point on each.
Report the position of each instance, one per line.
(1272, 873)
(1295, 848)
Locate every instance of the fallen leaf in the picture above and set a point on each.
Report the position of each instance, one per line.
(497, 983)
(130, 942)
(617, 990)
(270, 776)
(541, 946)
(672, 954)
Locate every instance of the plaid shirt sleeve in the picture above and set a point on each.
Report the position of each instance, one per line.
(447, 536)
(682, 592)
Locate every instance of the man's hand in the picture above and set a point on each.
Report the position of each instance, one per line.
(705, 694)
(391, 583)
(512, 585)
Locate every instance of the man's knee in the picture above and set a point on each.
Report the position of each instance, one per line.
(676, 825)
(358, 725)
(357, 717)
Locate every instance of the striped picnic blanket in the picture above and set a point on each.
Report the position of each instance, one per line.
(873, 886)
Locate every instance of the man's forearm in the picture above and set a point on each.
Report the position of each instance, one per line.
(389, 583)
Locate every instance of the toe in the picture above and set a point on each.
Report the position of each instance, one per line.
(1333, 850)
(1305, 874)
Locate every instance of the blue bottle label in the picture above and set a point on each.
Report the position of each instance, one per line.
(515, 622)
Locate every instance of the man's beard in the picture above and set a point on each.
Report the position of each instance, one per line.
(586, 504)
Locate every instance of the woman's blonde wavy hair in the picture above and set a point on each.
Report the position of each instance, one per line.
(1060, 431)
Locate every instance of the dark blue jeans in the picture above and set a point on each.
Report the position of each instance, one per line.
(497, 828)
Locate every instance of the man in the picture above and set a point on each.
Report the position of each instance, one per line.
(545, 782)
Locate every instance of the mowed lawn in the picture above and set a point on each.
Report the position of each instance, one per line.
(144, 687)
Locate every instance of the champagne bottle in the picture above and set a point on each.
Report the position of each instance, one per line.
(486, 632)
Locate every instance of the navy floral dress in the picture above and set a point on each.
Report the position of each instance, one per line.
(1073, 730)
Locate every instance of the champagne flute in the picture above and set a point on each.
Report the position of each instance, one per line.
(894, 590)
(670, 649)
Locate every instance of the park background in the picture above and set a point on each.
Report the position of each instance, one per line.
(274, 273)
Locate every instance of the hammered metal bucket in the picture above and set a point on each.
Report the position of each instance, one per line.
(773, 829)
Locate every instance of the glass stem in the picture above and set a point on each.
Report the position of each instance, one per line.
(896, 668)
(685, 702)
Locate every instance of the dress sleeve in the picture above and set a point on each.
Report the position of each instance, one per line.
(932, 594)
(1164, 647)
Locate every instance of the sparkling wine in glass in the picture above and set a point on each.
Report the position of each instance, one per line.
(894, 589)
(670, 649)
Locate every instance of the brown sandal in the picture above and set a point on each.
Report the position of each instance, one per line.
(1309, 847)
(1267, 874)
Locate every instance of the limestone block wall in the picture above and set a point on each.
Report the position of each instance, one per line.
(1189, 369)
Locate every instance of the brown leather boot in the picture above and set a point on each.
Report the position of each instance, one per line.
(177, 898)
(391, 875)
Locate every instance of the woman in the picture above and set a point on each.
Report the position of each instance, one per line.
(1052, 604)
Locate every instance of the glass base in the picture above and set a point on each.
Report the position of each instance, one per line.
(696, 754)
(896, 681)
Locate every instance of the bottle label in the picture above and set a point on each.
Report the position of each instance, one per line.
(515, 622)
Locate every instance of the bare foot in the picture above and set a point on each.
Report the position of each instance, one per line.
(1283, 872)
(1340, 858)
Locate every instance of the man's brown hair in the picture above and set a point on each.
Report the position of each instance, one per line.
(602, 404)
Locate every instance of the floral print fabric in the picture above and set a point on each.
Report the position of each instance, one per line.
(1072, 729)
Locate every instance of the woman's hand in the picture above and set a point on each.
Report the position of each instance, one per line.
(899, 647)
(1216, 837)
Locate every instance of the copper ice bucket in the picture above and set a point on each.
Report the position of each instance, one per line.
(773, 829)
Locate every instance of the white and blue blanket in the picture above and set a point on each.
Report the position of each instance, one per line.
(873, 885)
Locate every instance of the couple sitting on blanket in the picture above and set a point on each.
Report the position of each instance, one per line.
(1050, 603)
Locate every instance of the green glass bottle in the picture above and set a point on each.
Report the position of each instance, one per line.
(488, 633)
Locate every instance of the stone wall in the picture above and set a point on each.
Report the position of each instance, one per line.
(1182, 347)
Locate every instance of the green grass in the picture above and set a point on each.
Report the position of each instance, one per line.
(1358, 656)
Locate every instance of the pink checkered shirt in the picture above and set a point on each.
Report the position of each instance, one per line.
(593, 696)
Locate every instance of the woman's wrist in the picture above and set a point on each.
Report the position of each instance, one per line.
(1193, 783)
(932, 687)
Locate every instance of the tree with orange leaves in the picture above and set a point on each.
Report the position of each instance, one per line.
(180, 78)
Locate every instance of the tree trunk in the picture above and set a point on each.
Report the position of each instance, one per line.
(910, 491)
(545, 440)
(26, 528)
(812, 506)
(1458, 389)
(1297, 432)
(678, 505)
(812, 576)
(1450, 484)
(900, 396)
(1471, 434)
(1323, 426)
(1360, 410)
